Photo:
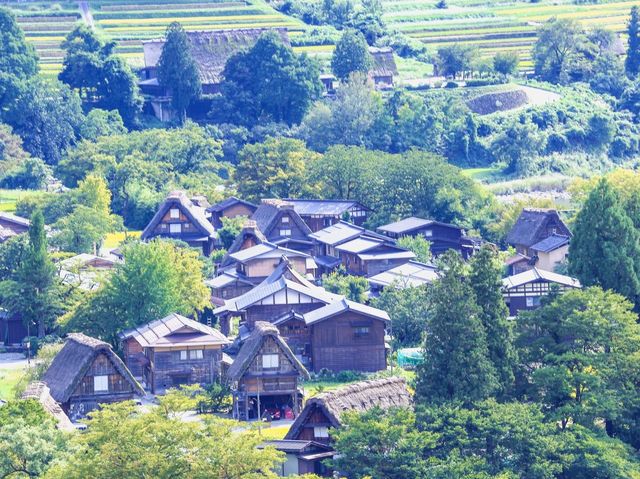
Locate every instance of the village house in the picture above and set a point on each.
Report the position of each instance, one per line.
(278, 221)
(319, 214)
(85, 271)
(367, 256)
(12, 329)
(323, 412)
(541, 240)
(210, 51)
(39, 391)
(408, 275)
(384, 69)
(173, 351)
(229, 208)
(86, 373)
(441, 236)
(249, 236)
(301, 457)
(524, 291)
(179, 218)
(12, 225)
(249, 267)
(264, 376)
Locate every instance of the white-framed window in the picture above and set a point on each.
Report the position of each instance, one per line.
(270, 361)
(100, 383)
(428, 233)
(175, 228)
(196, 354)
(285, 232)
(174, 213)
(285, 219)
(183, 355)
(321, 431)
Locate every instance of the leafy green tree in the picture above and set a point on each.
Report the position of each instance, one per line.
(31, 174)
(557, 50)
(268, 82)
(352, 287)
(605, 248)
(418, 245)
(486, 281)
(275, 168)
(102, 123)
(408, 308)
(456, 362)
(231, 228)
(156, 279)
(632, 62)
(516, 145)
(351, 55)
(506, 63)
(382, 445)
(580, 351)
(177, 70)
(456, 59)
(12, 253)
(18, 59)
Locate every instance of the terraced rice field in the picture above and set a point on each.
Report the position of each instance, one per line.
(498, 25)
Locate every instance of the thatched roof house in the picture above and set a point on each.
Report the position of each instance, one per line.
(40, 392)
(325, 410)
(280, 224)
(384, 66)
(534, 225)
(85, 373)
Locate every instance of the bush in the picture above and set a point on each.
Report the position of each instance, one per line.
(451, 84)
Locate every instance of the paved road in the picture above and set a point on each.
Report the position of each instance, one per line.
(85, 12)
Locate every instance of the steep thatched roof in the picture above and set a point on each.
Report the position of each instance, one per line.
(250, 232)
(228, 202)
(384, 64)
(359, 397)
(532, 225)
(196, 214)
(251, 347)
(73, 361)
(268, 215)
(212, 49)
(40, 392)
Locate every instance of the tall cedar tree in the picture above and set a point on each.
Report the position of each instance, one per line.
(456, 362)
(632, 62)
(486, 274)
(18, 59)
(605, 249)
(36, 275)
(177, 70)
(351, 55)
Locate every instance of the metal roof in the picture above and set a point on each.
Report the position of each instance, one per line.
(387, 253)
(410, 274)
(407, 224)
(359, 245)
(265, 250)
(550, 243)
(323, 207)
(337, 233)
(155, 332)
(536, 274)
(14, 219)
(341, 306)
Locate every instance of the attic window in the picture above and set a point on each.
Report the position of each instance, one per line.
(100, 383)
(428, 233)
(285, 232)
(285, 219)
(321, 431)
(174, 213)
(270, 361)
(361, 330)
(175, 228)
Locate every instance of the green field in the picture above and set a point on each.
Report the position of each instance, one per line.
(9, 198)
(498, 25)
(8, 380)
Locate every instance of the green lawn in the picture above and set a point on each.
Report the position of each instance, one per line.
(487, 174)
(9, 198)
(8, 380)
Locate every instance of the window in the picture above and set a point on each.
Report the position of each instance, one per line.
(321, 431)
(174, 213)
(428, 233)
(175, 228)
(270, 361)
(361, 330)
(285, 219)
(533, 301)
(183, 355)
(100, 383)
(285, 232)
(196, 354)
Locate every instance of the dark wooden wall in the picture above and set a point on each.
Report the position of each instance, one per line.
(170, 371)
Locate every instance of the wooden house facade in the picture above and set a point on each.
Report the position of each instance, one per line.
(319, 214)
(384, 69)
(86, 373)
(365, 256)
(173, 351)
(302, 457)
(179, 218)
(230, 208)
(265, 375)
(13, 331)
(525, 290)
(324, 411)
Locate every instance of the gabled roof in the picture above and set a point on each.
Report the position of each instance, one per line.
(369, 249)
(384, 64)
(83, 259)
(530, 227)
(293, 446)
(410, 224)
(172, 330)
(324, 207)
(249, 229)
(251, 347)
(536, 274)
(358, 397)
(212, 49)
(74, 360)
(343, 305)
(266, 250)
(343, 231)
(196, 215)
(359, 245)
(410, 274)
(40, 392)
(551, 243)
(228, 202)
(226, 278)
(11, 218)
(270, 211)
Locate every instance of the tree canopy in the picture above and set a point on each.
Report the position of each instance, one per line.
(351, 55)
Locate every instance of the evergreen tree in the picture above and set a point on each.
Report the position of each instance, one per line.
(486, 274)
(351, 55)
(605, 248)
(632, 63)
(456, 362)
(177, 70)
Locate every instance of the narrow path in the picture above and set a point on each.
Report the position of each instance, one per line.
(85, 12)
